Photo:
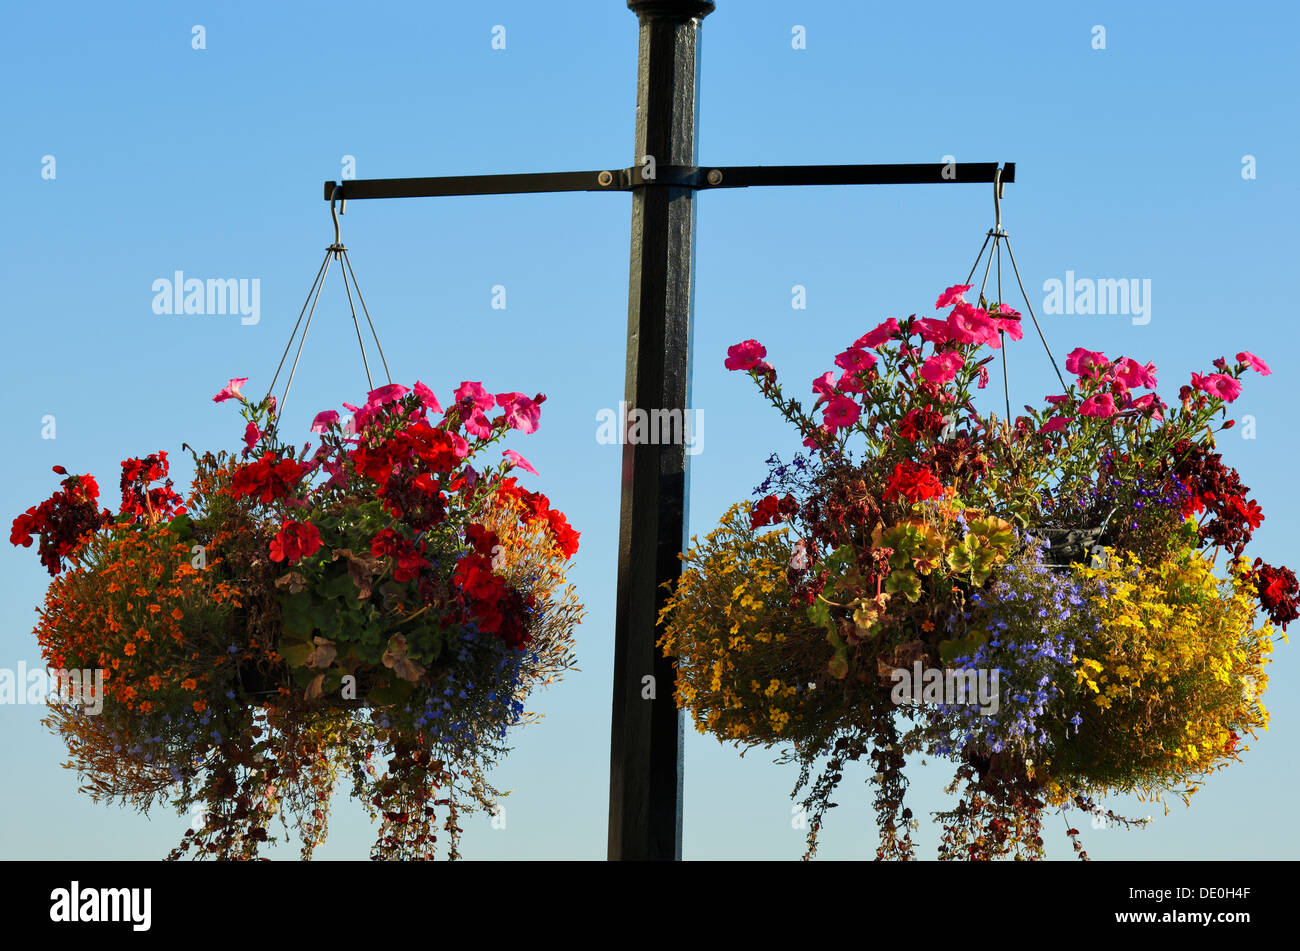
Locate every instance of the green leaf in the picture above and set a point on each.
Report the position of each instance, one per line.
(328, 619)
(998, 532)
(302, 676)
(395, 692)
(338, 585)
(905, 582)
(296, 615)
(295, 652)
(841, 557)
(839, 662)
(819, 612)
(950, 650)
(181, 526)
(838, 666)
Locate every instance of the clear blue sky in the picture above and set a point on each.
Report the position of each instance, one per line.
(211, 162)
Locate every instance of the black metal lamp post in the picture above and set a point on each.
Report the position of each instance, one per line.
(645, 789)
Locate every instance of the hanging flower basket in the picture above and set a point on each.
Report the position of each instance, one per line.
(1037, 600)
(303, 615)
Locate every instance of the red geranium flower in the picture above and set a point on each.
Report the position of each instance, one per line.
(770, 510)
(268, 478)
(482, 540)
(1278, 592)
(913, 482)
(295, 540)
(61, 521)
(566, 539)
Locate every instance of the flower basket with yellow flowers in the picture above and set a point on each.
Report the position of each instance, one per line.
(1059, 604)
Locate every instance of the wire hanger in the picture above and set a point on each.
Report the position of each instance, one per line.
(1000, 237)
(335, 251)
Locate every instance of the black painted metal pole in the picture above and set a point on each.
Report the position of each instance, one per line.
(645, 776)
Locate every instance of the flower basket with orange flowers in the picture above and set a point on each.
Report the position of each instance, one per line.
(376, 609)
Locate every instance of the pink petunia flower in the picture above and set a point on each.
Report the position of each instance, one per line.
(972, 325)
(855, 360)
(251, 435)
(1083, 362)
(231, 391)
(477, 424)
(810, 442)
(459, 445)
(1218, 384)
(824, 385)
(952, 296)
(840, 412)
(1254, 362)
(522, 413)
(1132, 374)
(849, 383)
(886, 331)
(362, 416)
(1055, 424)
(324, 420)
(1102, 405)
(520, 461)
(984, 378)
(335, 468)
(1009, 325)
(934, 331)
(1148, 400)
(427, 398)
(942, 367)
(386, 394)
(744, 355)
(469, 390)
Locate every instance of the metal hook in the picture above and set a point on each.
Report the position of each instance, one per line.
(343, 204)
(997, 201)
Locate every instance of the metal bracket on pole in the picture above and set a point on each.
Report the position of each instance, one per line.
(699, 177)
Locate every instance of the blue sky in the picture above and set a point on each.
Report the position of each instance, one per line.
(1129, 165)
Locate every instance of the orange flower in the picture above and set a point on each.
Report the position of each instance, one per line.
(177, 614)
(189, 683)
(200, 706)
(129, 649)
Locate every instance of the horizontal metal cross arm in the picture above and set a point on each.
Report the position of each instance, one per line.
(701, 177)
